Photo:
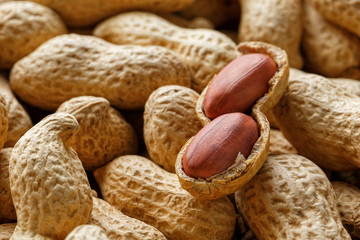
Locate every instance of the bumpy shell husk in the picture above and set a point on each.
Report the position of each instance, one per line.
(242, 171)
(72, 65)
(87, 232)
(103, 132)
(328, 50)
(205, 51)
(275, 22)
(118, 226)
(19, 119)
(347, 197)
(25, 25)
(169, 121)
(4, 120)
(279, 144)
(290, 198)
(321, 120)
(48, 183)
(88, 12)
(7, 210)
(141, 189)
(6, 230)
(344, 13)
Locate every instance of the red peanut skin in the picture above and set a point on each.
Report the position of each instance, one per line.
(216, 146)
(239, 85)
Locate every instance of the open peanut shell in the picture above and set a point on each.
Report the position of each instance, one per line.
(242, 171)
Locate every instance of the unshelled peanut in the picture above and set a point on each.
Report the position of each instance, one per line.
(290, 198)
(87, 232)
(7, 210)
(6, 230)
(4, 120)
(169, 121)
(48, 183)
(141, 189)
(279, 144)
(24, 26)
(103, 132)
(71, 65)
(205, 51)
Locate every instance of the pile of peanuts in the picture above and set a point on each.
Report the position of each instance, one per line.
(179, 119)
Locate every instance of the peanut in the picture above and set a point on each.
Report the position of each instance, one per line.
(19, 119)
(321, 121)
(49, 187)
(24, 26)
(141, 189)
(290, 198)
(279, 144)
(347, 197)
(319, 34)
(103, 133)
(226, 140)
(169, 121)
(7, 210)
(87, 232)
(205, 51)
(276, 22)
(239, 85)
(343, 13)
(6, 230)
(72, 65)
(118, 226)
(197, 22)
(4, 120)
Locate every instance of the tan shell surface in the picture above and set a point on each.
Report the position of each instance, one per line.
(204, 50)
(169, 121)
(72, 65)
(88, 12)
(278, 22)
(19, 119)
(87, 232)
(321, 120)
(197, 22)
(279, 144)
(118, 226)
(6, 230)
(48, 183)
(328, 50)
(7, 210)
(290, 198)
(347, 197)
(4, 119)
(345, 13)
(141, 189)
(230, 180)
(103, 132)
(24, 26)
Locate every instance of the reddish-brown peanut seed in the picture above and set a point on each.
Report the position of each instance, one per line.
(218, 144)
(239, 85)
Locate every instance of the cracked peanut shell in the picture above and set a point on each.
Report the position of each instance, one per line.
(230, 180)
(141, 189)
(72, 65)
(103, 132)
(204, 50)
(169, 121)
(290, 198)
(48, 183)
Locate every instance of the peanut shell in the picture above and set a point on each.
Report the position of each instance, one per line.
(290, 198)
(279, 144)
(103, 133)
(71, 65)
(321, 120)
(328, 50)
(4, 119)
(118, 226)
(6, 230)
(24, 26)
(205, 51)
(48, 183)
(141, 189)
(87, 232)
(19, 119)
(276, 22)
(347, 197)
(230, 180)
(7, 210)
(169, 121)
